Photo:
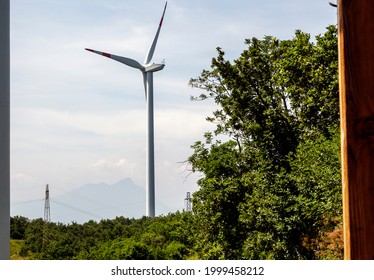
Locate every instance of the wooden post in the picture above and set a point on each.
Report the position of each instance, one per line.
(356, 78)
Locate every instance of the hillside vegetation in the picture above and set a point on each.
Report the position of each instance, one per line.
(169, 237)
(271, 191)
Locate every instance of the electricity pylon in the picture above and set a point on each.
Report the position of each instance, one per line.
(187, 202)
(47, 219)
(47, 206)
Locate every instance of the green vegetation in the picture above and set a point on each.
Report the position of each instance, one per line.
(164, 237)
(271, 191)
(16, 250)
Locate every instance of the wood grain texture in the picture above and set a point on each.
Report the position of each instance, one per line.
(356, 78)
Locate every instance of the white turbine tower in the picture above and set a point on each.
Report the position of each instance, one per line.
(147, 69)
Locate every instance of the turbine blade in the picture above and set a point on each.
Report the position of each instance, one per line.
(125, 60)
(153, 45)
(145, 84)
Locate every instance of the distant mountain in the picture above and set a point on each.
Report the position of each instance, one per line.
(92, 202)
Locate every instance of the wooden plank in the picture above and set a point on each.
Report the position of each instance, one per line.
(356, 78)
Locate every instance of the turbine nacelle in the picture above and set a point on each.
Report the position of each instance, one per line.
(154, 67)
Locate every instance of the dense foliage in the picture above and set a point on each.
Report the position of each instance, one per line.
(270, 190)
(273, 190)
(164, 237)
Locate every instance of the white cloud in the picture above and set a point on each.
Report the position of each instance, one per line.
(100, 163)
(97, 123)
(112, 170)
(20, 177)
(116, 163)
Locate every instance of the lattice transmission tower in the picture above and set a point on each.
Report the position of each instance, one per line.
(47, 219)
(47, 206)
(188, 202)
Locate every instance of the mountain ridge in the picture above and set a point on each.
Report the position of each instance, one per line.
(92, 201)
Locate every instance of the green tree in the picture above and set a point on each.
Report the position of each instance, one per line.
(317, 176)
(163, 237)
(18, 226)
(34, 237)
(216, 202)
(121, 249)
(271, 99)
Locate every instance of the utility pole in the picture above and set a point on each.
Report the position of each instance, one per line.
(356, 82)
(4, 132)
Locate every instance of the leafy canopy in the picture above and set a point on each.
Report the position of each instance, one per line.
(278, 103)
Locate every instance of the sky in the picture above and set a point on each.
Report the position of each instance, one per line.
(79, 118)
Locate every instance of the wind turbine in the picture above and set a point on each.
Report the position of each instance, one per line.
(147, 69)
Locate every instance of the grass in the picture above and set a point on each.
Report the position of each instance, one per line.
(15, 249)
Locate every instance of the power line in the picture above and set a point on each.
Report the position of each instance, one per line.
(76, 209)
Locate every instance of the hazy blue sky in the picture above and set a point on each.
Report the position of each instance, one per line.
(79, 118)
